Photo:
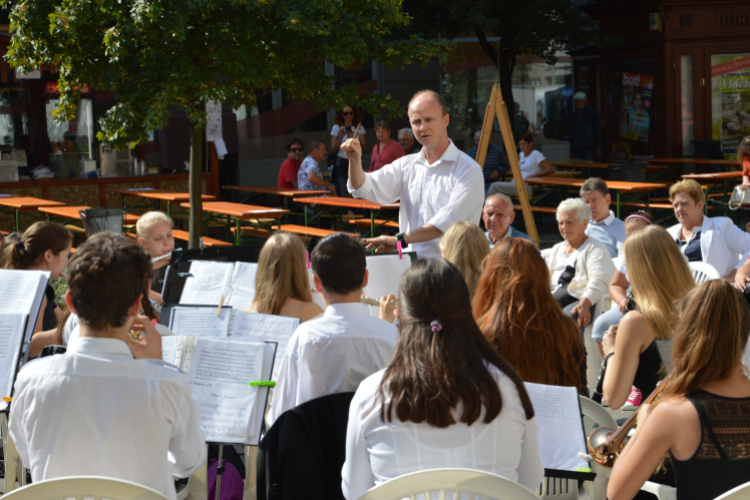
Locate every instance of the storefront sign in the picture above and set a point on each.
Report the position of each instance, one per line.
(637, 101)
(730, 93)
(733, 18)
(51, 88)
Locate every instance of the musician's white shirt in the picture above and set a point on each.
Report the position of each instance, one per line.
(377, 451)
(330, 354)
(448, 191)
(96, 411)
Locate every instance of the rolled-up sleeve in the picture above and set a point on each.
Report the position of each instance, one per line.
(382, 186)
(465, 201)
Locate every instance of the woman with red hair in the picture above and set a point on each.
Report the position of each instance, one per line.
(515, 310)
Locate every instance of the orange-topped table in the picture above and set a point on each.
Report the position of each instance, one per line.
(283, 192)
(697, 161)
(240, 211)
(75, 214)
(159, 195)
(340, 201)
(717, 176)
(586, 164)
(26, 204)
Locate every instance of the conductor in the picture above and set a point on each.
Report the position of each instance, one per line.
(437, 187)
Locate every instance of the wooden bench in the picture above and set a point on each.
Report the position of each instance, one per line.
(658, 206)
(311, 231)
(263, 233)
(365, 223)
(181, 235)
(544, 210)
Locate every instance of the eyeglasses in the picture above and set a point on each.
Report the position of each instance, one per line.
(347, 113)
(296, 150)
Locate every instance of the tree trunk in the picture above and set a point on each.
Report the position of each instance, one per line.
(505, 63)
(196, 200)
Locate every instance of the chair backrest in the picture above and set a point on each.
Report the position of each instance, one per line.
(95, 220)
(555, 488)
(703, 272)
(84, 487)
(741, 492)
(459, 480)
(594, 415)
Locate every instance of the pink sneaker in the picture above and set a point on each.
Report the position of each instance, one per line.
(634, 400)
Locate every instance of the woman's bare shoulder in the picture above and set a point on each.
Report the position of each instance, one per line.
(299, 309)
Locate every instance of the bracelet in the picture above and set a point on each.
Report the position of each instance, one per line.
(606, 358)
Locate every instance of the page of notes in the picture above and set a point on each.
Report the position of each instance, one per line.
(560, 436)
(207, 282)
(242, 285)
(11, 336)
(384, 277)
(22, 292)
(268, 328)
(200, 321)
(219, 375)
(169, 349)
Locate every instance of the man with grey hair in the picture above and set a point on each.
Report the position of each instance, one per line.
(498, 215)
(603, 226)
(495, 163)
(407, 141)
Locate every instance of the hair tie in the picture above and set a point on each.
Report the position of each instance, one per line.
(21, 247)
(436, 326)
(636, 216)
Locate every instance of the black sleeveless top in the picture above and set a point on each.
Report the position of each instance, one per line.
(649, 370)
(722, 460)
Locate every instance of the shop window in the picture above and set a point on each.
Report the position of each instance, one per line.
(70, 141)
(730, 100)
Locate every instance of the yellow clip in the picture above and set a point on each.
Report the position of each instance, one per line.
(7, 399)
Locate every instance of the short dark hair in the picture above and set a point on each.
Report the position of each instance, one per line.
(313, 145)
(107, 273)
(338, 260)
(295, 140)
(594, 184)
(526, 136)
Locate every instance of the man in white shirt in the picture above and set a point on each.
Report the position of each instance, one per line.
(96, 411)
(336, 351)
(437, 187)
(603, 226)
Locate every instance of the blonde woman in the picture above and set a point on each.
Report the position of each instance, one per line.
(659, 276)
(465, 246)
(282, 286)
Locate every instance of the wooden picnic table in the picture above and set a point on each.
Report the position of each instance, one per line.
(717, 176)
(75, 214)
(239, 212)
(26, 204)
(283, 192)
(618, 186)
(697, 161)
(159, 195)
(587, 164)
(358, 203)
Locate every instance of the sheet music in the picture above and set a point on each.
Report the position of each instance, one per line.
(265, 327)
(11, 336)
(200, 321)
(169, 348)
(560, 436)
(242, 285)
(384, 276)
(219, 376)
(23, 291)
(207, 282)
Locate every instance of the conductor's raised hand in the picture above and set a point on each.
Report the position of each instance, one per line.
(381, 244)
(144, 341)
(352, 149)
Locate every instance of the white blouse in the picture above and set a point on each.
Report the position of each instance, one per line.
(377, 451)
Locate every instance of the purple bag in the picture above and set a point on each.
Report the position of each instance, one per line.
(232, 485)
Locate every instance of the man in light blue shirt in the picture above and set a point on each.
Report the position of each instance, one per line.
(498, 215)
(603, 226)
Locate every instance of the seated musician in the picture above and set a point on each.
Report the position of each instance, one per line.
(465, 246)
(334, 352)
(154, 230)
(703, 417)
(96, 411)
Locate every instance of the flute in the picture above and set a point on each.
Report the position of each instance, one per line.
(162, 257)
(364, 299)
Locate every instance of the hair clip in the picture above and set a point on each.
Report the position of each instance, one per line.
(436, 326)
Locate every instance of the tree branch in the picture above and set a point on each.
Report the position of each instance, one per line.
(486, 46)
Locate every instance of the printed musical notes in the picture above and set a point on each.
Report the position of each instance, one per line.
(207, 282)
(265, 327)
(200, 321)
(11, 336)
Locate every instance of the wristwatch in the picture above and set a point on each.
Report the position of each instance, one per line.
(400, 237)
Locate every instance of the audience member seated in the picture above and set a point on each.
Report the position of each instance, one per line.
(498, 215)
(154, 231)
(603, 226)
(96, 411)
(295, 151)
(713, 240)
(703, 417)
(386, 150)
(45, 246)
(580, 267)
(517, 313)
(336, 351)
(282, 286)
(659, 276)
(465, 246)
(408, 143)
(533, 164)
(618, 287)
(438, 403)
(8, 241)
(495, 163)
(309, 176)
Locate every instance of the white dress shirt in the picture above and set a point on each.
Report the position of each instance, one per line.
(377, 451)
(330, 354)
(448, 191)
(723, 245)
(96, 411)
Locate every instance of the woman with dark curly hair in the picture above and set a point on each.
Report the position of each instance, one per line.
(343, 129)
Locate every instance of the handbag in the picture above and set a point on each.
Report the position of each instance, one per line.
(737, 198)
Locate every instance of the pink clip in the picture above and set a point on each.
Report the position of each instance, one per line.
(398, 245)
(307, 258)
(153, 322)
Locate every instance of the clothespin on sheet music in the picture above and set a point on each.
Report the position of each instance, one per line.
(262, 383)
(8, 399)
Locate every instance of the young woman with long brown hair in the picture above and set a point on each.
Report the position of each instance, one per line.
(465, 246)
(515, 310)
(447, 399)
(703, 417)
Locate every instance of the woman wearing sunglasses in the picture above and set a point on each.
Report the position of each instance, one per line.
(343, 129)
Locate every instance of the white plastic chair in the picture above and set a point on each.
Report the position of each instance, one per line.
(593, 358)
(595, 415)
(741, 492)
(441, 480)
(703, 272)
(85, 487)
(556, 488)
(661, 491)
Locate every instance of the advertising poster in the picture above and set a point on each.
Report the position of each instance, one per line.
(730, 100)
(637, 104)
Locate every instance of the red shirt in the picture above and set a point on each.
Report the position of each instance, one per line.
(288, 173)
(390, 153)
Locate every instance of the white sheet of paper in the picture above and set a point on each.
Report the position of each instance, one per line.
(384, 276)
(169, 348)
(11, 337)
(268, 328)
(200, 321)
(207, 283)
(23, 291)
(242, 285)
(558, 416)
(219, 376)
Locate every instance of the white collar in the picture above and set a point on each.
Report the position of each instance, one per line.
(450, 154)
(608, 220)
(346, 309)
(98, 345)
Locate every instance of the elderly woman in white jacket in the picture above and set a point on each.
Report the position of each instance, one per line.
(580, 267)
